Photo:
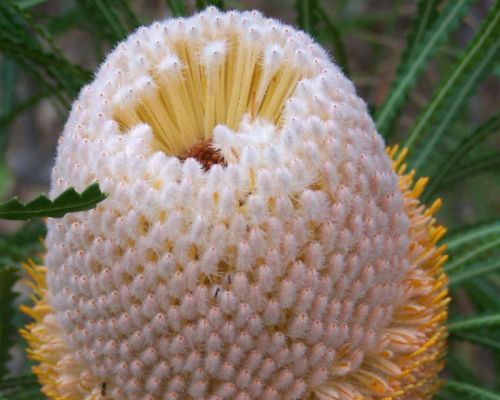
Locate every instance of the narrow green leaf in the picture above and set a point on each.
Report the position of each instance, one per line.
(476, 392)
(472, 235)
(66, 202)
(177, 7)
(475, 322)
(422, 20)
(427, 12)
(336, 38)
(452, 160)
(461, 369)
(12, 382)
(33, 49)
(7, 329)
(6, 179)
(307, 15)
(202, 4)
(434, 37)
(481, 339)
(24, 387)
(483, 294)
(489, 266)
(8, 74)
(105, 19)
(460, 82)
(28, 3)
(128, 14)
(473, 167)
(458, 262)
(7, 117)
(26, 243)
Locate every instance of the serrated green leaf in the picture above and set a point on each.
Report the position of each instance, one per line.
(475, 322)
(481, 339)
(66, 202)
(452, 160)
(8, 278)
(451, 95)
(433, 38)
(476, 392)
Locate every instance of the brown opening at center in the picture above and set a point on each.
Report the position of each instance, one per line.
(206, 154)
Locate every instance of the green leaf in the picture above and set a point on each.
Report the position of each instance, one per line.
(489, 266)
(7, 117)
(177, 7)
(427, 12)
(469, 236)
(483, 294)
(24, 387)
(7, 329)
(23, 245)
(8, 83)
(335, 37)
(28, 3)
(202, 4)
(307, 15)
(476, 392)
(481, 339)
(33, 49)
(460, 369)
(452, 160)
(66, 202)
(12, 382)
(472, 245)
(128, 14)
(472, 167)
(481, 250)
(475, 322)
(451, 95)
(6, 179)
(422, 20)
(111, 19)
(433, 38)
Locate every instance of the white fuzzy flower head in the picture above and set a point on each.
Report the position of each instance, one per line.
(256, 242)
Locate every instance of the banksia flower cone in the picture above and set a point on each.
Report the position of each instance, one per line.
(258, 240)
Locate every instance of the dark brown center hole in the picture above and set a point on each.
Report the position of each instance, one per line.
(206, 154)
